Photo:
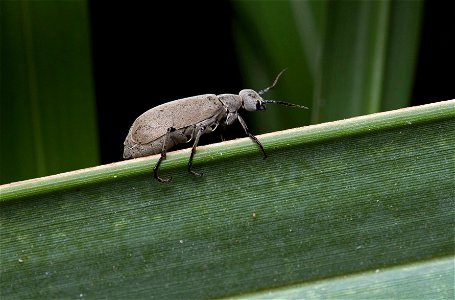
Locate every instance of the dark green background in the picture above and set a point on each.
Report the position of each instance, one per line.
(75, 74)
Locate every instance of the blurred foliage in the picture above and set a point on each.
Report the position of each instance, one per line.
(345, 58)
(48, 122)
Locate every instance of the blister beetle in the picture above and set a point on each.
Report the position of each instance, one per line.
(180, 121)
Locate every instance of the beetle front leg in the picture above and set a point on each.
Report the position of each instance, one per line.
(242, 122)
(199, 132)
(163, 156)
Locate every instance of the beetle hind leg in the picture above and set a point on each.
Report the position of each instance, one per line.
(206, 126)
(162, 157)
(199, 132)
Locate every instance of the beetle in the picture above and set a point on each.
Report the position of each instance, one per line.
(181, 121)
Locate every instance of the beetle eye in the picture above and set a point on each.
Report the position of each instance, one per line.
(259, 105)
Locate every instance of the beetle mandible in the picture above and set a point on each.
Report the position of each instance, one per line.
(181, 121)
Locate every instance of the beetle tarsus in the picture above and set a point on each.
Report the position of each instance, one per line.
(155, 170)
(164, 180)
(196, 173)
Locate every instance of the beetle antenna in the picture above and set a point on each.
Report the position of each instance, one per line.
(285, 103)
(273, 84)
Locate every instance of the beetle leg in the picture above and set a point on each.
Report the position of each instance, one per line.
(231, 117)
(190, 132)
(242, 122)
(199, 132)
(163, 156)
(222, 128)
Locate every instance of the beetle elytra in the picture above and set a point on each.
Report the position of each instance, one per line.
(184, 120)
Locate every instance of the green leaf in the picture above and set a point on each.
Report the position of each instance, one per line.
(345, 58)
(353, 57)
(403, 282)
(401, 53)
(268, 41)
(348, 202)
(48, 122)
(368, 58)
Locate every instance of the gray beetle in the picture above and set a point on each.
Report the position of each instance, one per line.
(180, 121)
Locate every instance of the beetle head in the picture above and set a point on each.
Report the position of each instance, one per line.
(251, 101)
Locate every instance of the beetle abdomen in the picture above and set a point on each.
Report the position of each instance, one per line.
(182, 113)
(147, 134)
(133, 149)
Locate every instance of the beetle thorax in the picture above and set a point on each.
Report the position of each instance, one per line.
(251, 100)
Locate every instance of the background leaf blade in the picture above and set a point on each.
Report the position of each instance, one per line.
(352, 58)
(46, 103)
(338, 199)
